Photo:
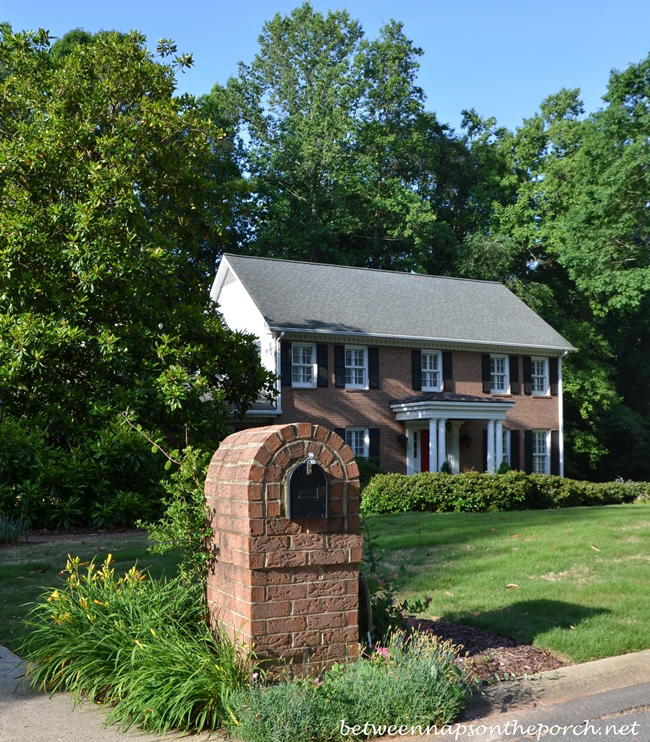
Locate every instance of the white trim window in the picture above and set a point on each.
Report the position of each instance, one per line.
(539, 376)
(356, 367)
(359, 441)
(499, 381)
(505, 446)
(303, 364)
(541, 452)
(431, 367)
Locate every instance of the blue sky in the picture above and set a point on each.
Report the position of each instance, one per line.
(502, 57)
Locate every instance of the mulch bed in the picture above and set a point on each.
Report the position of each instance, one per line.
(490, 655)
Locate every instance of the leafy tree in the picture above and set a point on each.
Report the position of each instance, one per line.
(111, 217)
(345, 163)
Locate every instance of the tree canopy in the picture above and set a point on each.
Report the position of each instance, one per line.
(111, 217)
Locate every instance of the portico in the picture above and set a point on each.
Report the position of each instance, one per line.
(433, 422)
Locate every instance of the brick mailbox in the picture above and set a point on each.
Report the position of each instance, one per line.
(284, 506)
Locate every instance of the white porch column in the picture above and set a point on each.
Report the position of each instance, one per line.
(433, 448)
(490, 446)
(442, 443)
(499, 442)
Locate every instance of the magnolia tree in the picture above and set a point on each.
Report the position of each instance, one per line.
(111, 217)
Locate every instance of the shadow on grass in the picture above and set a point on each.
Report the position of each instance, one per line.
(528, 619)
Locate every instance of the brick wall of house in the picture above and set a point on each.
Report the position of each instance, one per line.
(370, 408)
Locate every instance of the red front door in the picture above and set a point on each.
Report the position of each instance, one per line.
(424, 449)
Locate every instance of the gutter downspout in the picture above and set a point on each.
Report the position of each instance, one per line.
(560, 410)
(278, 367)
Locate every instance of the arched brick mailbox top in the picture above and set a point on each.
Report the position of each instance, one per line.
(255, 464)
(287, 586)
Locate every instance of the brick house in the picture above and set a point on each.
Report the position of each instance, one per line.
(413, 369)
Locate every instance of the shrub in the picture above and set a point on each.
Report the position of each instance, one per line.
(110, 478)
(139, 644)
(184, 524)
(413, 681)
(482, 492)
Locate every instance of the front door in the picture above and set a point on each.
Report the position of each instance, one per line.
(424, 449)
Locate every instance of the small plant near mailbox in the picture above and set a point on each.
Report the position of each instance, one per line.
(388, 613)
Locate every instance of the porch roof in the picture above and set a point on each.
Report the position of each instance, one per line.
(432, 405)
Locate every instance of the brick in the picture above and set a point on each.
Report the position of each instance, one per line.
(273, 442)
(305, 607)
(286, 592)
(286, 559)
(352, 618)
(307, 574)
(270, 577)
(320, 434)
(271, 609)
(328, 556)
(335, 442)
(325, 621)
(296, 450)
(268, 543)
(340, 572)
(335, 471)
(307, 541)
(340, 603)
(286, 625)
(345, 634)
(356, 555)
(305, 639)
(281, 458)
(273, 474)
(272, 642)
(325, 458)
(288, 432)
(304, 430)
(282, 526)
(273, 491)
(346, 455)
(353, 522)
(273, 509)
(352, 471)
(318, 589)
(344, 540)
(262, 456)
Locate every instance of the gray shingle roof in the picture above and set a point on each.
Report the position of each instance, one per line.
(316, 297)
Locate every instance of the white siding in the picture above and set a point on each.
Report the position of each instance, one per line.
(241, 314)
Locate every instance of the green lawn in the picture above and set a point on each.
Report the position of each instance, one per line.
(25, 569)
(582, 575)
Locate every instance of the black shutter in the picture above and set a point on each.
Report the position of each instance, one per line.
(340, 432)
(373, 447)
(528, 381)
(416, 370)
(487, 379)
(514, 375)
(485, 444)
(515, 462)
(373, 368)
(528, 451)
(447, 377)
(321, 359)
(553, 374)
(285, 363)
(339, 366)
(555, 452)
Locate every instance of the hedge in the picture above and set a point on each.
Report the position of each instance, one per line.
(481, 492)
